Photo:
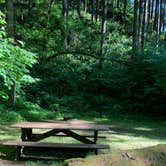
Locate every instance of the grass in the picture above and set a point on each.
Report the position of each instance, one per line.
(126, 131)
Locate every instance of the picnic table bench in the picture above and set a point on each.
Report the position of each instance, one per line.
(65, 129)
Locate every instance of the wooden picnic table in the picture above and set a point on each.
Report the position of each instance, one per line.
(59, 128)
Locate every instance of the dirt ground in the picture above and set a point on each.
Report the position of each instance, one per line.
(11, 163)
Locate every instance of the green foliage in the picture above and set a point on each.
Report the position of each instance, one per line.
(70, 83)
(2, 25)
(14, 62)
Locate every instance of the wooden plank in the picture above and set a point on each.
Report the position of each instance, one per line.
(61, 125)
(38, 137)
(87, 135)
(77, 136)
(56, 145)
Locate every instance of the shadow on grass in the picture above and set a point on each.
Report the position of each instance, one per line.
(9, 152)
(150, 132)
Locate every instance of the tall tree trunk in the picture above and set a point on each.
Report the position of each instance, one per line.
(124, 12)
(156, 15)
(152, 9)
(85, 6)
(145, 23)
(112, 7)
(158, 23)
(136, 27)
(65, 15)
(97, 10)
(10, 30)
(103, 31)
(140, 22)
(30, 7)
(149, 12)
(65, 8)
(92, 10)
(49, 9)
(164, 15)
(79, 8)
(118, 3)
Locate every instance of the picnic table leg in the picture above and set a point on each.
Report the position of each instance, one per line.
(29, 134)
(18, 153)
(95, 140)
(23, 134)
(26, 134)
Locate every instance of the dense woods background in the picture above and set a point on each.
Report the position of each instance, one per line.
(98, 56)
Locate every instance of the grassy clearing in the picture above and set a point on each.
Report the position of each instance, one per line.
(126, 131)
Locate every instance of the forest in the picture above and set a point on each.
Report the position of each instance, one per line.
(96, 60)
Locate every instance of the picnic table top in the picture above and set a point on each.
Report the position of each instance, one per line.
(76, 125)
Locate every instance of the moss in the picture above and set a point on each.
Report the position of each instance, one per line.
(151, 156)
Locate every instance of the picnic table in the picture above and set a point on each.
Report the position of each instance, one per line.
(59, 128)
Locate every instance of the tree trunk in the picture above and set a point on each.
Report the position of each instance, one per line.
(140, 22)
(164, 15)
(79, 8)
(10, 30)
(97, 10)
(124, 12)
(112, 7)
(65, 15)
(144, 24)
(30, 6)
(156, 15)
(49, 9)
(149, 16)
(10, 18)
(85, 6)
(93, 10)
(152, 9)
(158, 23)
(103, 31)
(136, 27)
(118, 3)
(65, 8)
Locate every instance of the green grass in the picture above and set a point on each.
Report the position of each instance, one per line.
(126, 131)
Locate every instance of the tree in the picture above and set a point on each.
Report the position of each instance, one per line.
(65, 15)
(79, 8)
(125, 12)
(10, 30)
(136, 26)
(145, 23)
(103, 31)
(93, 10)
(13, 61)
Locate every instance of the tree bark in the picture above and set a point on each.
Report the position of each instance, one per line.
(164, 15)
(30, 7)
(10, 30)
(85, 6)
(65, 8)
(140, 22)
(49, 9)
(118, 3)
(93, 10)
(97, 10)
(156, 15)
(144, 24)
(65, 15)
(112, 7)
(103, 32)
(10, 18)
(124, 12)
(158, 22)
(136, 27)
